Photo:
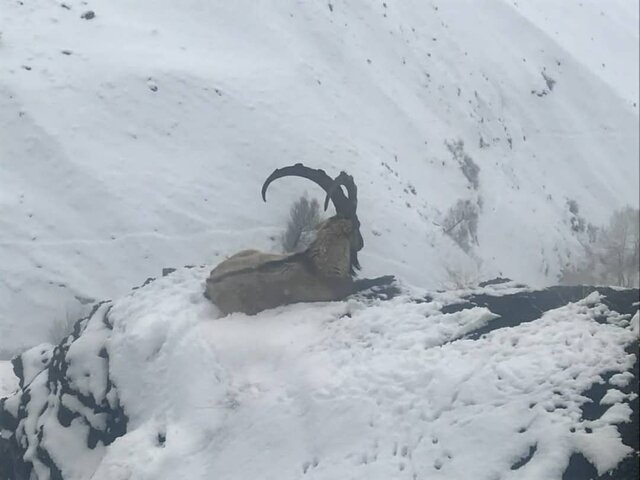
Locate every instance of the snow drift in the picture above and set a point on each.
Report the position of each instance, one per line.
(501, 381)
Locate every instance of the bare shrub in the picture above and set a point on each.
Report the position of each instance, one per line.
(461, 224)
(621, 245)
(304, 216)
(592, 232)
(578, 223)
(469, 168)
(612, 255)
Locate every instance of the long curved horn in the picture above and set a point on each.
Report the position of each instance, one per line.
(318, 176)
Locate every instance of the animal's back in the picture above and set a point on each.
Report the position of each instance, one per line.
(273, 284)
(243, 260)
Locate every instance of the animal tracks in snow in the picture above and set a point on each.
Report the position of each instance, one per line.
(461, 387)
(310, 464)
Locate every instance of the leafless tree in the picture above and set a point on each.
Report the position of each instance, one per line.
(611, 256)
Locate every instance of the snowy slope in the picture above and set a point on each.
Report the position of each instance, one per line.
(8, 381)
(138, 139)
(155, 386)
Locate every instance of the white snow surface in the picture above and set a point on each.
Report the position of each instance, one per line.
(362, 389)
(139, 139)
(8, 381)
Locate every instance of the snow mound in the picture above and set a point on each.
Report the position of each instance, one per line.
(424, 385)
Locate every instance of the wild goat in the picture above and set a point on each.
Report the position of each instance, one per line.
(251, 281)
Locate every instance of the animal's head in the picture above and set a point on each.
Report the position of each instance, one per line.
(345, 205)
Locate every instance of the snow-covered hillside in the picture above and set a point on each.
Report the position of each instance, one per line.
(138, 137)
(421, 386)
(8, 381)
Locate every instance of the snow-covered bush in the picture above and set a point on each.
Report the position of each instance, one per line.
(304, 216)
(610, 255)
